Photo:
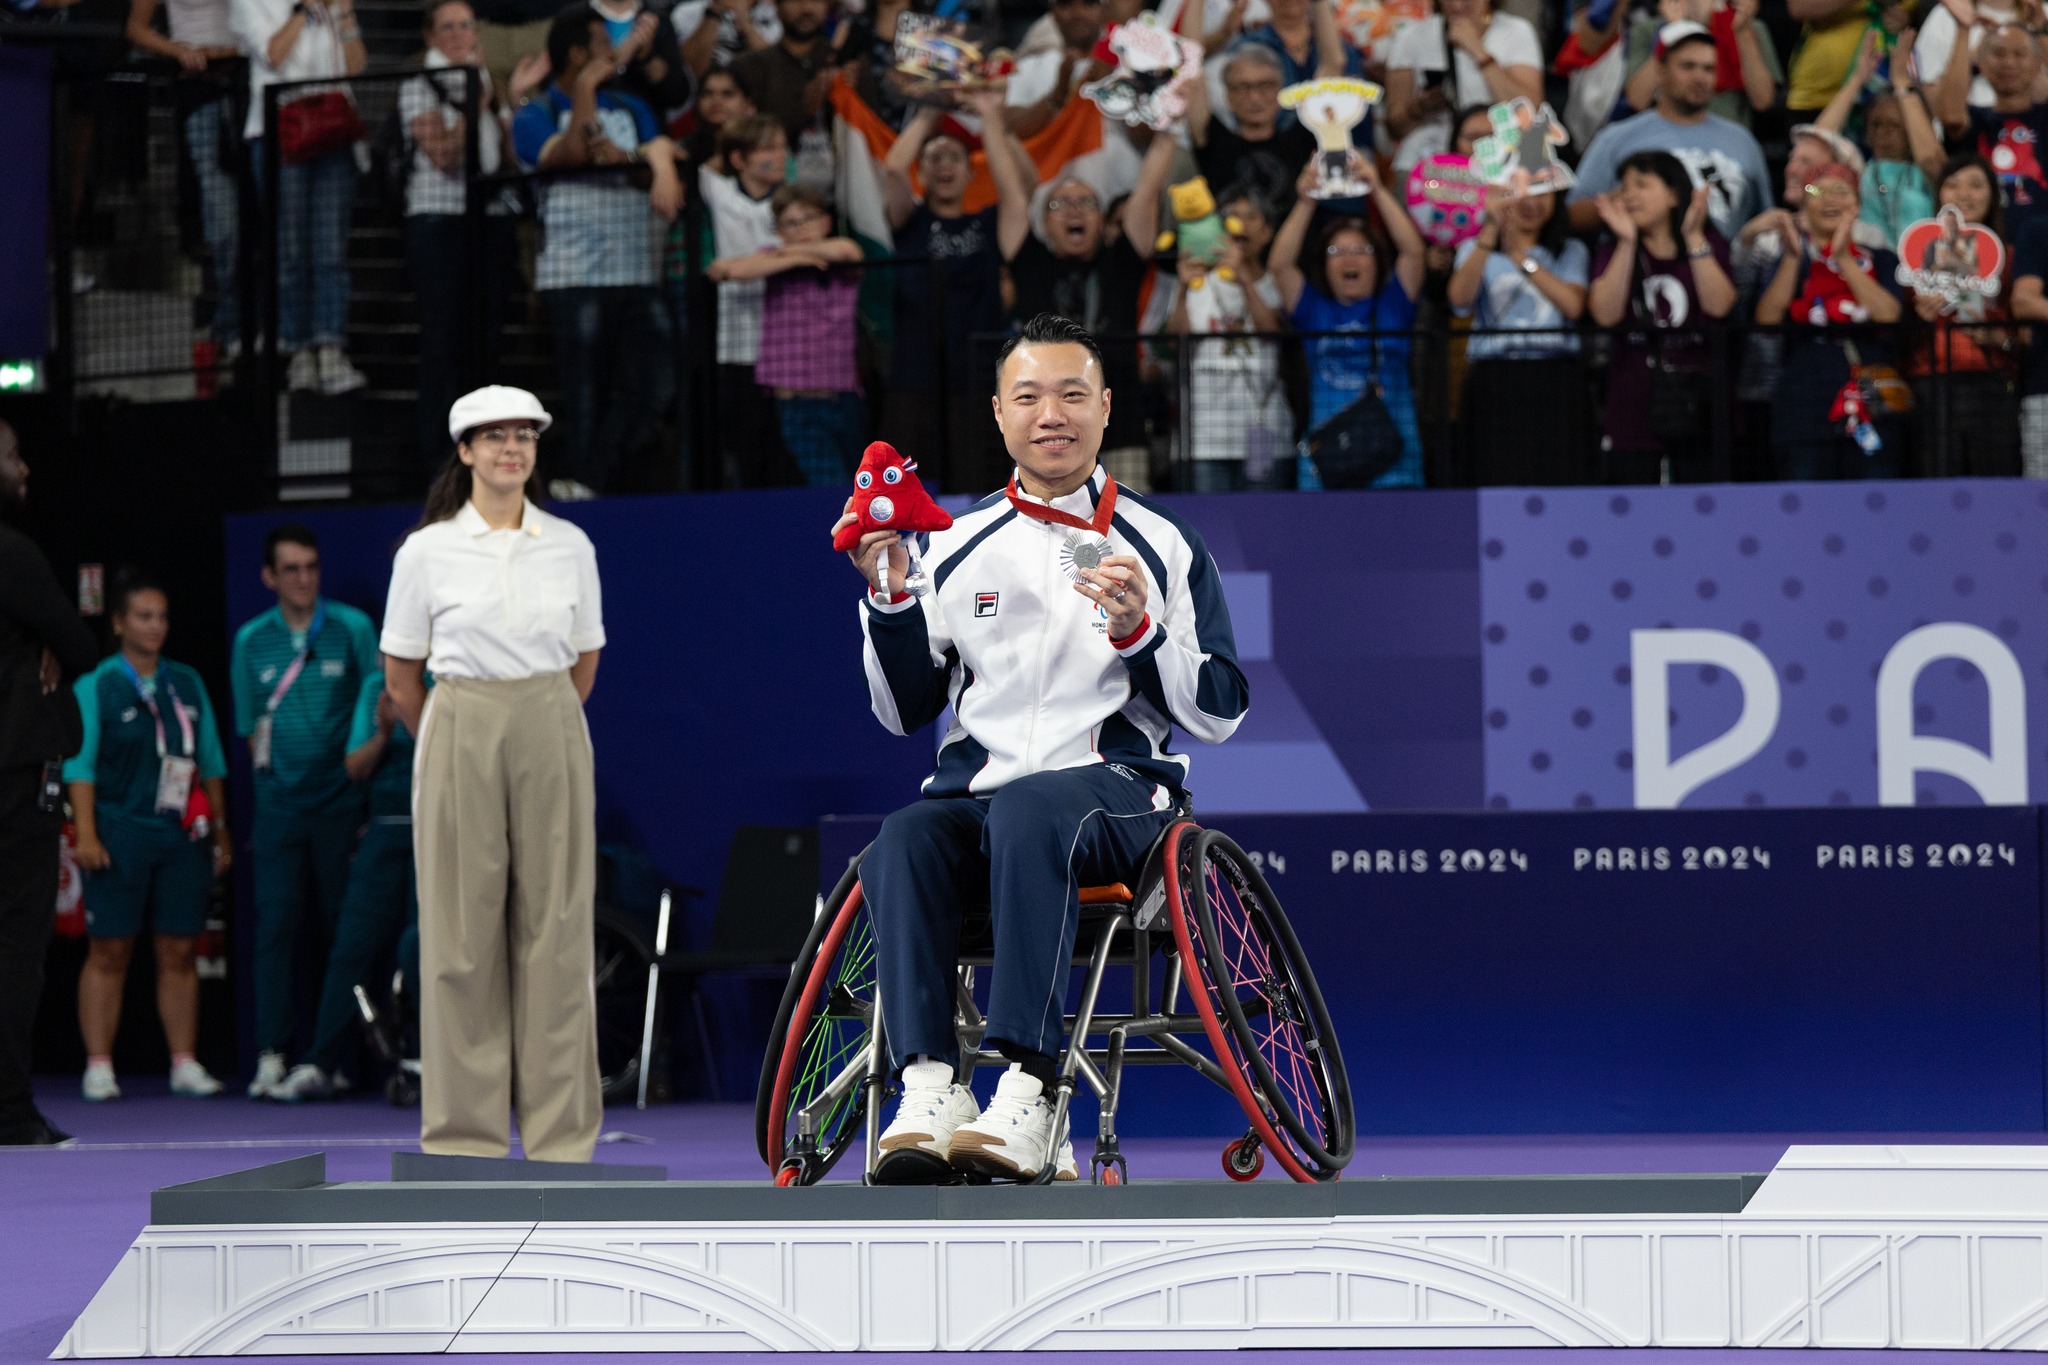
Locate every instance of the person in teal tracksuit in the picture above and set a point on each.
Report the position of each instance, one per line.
(298, 669)
(382, 907)
(148, 796)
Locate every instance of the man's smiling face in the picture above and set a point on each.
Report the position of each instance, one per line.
(1052, 407)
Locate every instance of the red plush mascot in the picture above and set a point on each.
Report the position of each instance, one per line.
(888, 497)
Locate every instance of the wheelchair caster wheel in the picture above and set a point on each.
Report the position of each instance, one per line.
(795, 1171)
(402, 1091)
(1244, 1159)
(1109, 1175)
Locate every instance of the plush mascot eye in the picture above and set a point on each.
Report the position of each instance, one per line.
(864, 479)
(892, 475)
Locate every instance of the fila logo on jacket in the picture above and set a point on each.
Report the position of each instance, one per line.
(1039, 685)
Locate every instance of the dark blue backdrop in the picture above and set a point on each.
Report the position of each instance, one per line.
(25, 170)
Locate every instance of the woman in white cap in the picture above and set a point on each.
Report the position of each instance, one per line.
(501, 601)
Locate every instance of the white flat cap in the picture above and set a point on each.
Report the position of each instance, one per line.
(495, 403)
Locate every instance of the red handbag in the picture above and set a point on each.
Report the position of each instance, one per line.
(313, 125)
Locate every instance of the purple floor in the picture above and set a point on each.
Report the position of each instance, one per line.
(66, 1215)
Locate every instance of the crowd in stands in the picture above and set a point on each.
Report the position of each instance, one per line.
(759, 186)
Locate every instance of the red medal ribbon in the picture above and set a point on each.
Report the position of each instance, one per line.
(1105, 508)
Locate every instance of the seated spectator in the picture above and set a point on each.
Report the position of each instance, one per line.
(947, 291)
(1826, 51)
(714, 32)
(1747, 74)
(1719, 155)
(1262, 153)
(656, 73)
(1828, 284)
(596, 269)
(151, 751)
(1304, 35)
(807, 333)
(2010, 131)
(1936, 42)
(1239, 426)
(1343, 287)
(788, 79)
(739, 193)
(1663, 271)
(1081, 269)
(456, 293)
(1466, 53)
(316, 189)
(201, 44)
(1523, 416)
(1965, 414)
(1904, 148)
(2029, 273)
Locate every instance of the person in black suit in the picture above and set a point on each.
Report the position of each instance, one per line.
(43, 646)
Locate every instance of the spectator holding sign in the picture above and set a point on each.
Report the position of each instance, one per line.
(1966, 416)
(1354, 294)
(1466, 53)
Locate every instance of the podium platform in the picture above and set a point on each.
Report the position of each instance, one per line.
(1865, 1246)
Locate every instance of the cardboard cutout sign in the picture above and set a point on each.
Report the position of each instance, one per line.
(1154, 68)
(1521, 152)
(1330, 108)
(1961, 263)
(938, 60)
(1446, 198)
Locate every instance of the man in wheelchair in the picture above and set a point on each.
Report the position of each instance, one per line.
(1069, 625)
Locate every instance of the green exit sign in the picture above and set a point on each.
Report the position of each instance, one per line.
(21, 376)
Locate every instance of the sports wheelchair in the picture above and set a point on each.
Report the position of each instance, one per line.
(1199, 900)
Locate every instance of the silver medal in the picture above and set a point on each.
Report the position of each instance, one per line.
(1083, 550)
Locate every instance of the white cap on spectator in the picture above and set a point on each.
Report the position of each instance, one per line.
(1839, 148)
(1677, 31)
(495, 403)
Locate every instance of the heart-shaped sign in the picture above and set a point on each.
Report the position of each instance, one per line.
(1952, 259)
(1446, 198)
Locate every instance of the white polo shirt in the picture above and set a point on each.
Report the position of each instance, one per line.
(494, 605)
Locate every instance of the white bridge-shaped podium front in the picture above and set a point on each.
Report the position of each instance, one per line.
(1836, 1247)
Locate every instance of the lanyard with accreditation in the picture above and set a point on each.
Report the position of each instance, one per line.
(174, 773)
(259, 738)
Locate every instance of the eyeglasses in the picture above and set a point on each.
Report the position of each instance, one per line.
(1352, 249)
(797, 220)
(1251, 87)
(497, 436)
(1079, 202)
(1831, 189)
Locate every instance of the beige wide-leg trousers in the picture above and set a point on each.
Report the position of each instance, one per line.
(505, 837)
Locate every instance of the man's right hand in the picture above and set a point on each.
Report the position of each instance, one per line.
(50, 673)
(868, 553)
(92, 854)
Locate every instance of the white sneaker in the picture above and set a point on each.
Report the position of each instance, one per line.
(269, 1075)
(569, 490)
(307, 1082)
(1013, 1137)
(99, 1083)
(337, 376)
(190, 1078)
(303, 376)
(915, 1145)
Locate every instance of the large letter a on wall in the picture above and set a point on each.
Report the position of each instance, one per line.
(1660, 782)
(2000, 777)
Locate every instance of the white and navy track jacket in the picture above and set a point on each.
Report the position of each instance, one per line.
(1026, 663)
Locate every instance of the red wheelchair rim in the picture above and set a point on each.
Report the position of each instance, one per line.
(822, 966)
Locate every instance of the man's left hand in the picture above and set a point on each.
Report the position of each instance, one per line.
(1119, 588)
